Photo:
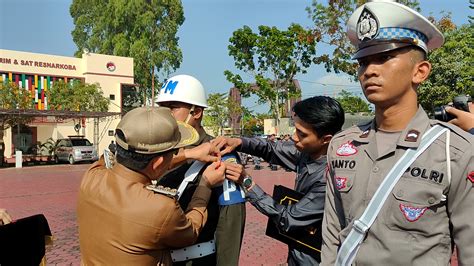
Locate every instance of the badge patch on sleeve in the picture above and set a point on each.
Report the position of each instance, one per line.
(470, 176)
(346, 149)
(341, 182)
(231, 193)
(412, 213)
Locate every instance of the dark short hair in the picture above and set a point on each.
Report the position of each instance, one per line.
(421, 53)
(325, 114)
(132, 160)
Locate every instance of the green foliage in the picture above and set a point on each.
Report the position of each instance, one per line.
(45, 148)
(471, 6)
(13, 97)
(272, 57)
(330, 28)
(218, 113)
(77, 96)
(452, 69)
(445, 23)
(142, 29)
(253, 124)
(215, 115)
(352, 104)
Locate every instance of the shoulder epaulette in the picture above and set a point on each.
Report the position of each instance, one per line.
(366, 123)
(355, 129)
(458, 131)
(170, 192)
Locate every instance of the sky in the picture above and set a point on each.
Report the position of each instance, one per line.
(44, 26)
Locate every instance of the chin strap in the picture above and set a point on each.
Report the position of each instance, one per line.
(191, 112)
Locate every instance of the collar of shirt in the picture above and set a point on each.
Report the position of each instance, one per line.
(313, 165)
(410, 136)
(123, 172)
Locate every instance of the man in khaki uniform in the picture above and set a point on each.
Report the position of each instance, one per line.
(431, 207)
(125, 221)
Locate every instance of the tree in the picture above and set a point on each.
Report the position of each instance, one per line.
(452, 72)
(253, 124)
(142, 29)
(77, 96)
(471, 6)
(217, 114)
(13, 97)
(352, 104)
(330, 28)
(272, 57)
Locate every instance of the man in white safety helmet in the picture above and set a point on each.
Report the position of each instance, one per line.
(186, 97)
(220, 239)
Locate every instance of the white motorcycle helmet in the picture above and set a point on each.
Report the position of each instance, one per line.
(185, 89)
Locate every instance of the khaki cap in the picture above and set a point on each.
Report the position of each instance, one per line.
(149, 130)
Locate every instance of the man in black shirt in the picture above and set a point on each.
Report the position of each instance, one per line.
(316, 119)
(112, 147)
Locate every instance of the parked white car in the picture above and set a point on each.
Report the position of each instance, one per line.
(74, 149)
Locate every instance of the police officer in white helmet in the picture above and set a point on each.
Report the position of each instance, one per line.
(400, 188)
(220, 240)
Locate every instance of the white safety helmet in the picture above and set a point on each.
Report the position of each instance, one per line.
(185, 89)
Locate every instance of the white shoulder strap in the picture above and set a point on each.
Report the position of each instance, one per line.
(448, 157)
(108, 162)
(190, 176)
(350, 246)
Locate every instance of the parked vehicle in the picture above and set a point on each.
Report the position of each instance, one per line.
(74, 149)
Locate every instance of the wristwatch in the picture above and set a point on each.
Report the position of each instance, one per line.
(247, 182)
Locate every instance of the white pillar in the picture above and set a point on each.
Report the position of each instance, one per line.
(18, 159)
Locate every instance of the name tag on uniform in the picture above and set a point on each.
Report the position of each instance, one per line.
(231, 194)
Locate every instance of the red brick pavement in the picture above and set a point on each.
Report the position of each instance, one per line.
(257, 248)
(52, 190)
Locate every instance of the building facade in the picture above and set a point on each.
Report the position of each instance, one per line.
(38, 73)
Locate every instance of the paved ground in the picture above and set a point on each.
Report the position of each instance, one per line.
(52, 190)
